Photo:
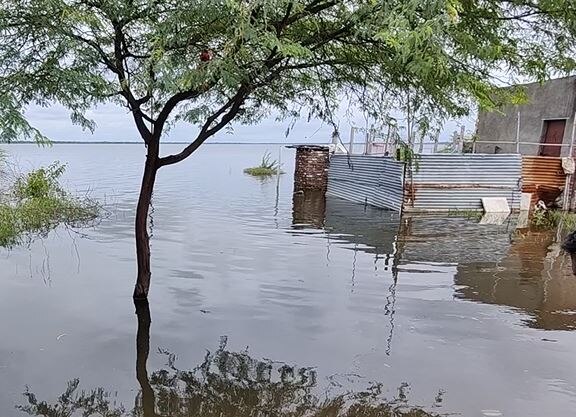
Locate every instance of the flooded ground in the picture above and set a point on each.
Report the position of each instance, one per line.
(265, 303)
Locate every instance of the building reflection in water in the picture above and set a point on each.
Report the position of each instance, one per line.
(533, 276)
(496, 263)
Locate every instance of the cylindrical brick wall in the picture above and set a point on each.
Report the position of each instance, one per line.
(311, 172)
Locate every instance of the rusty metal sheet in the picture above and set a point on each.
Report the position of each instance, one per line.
(543, 177)
(542, 170)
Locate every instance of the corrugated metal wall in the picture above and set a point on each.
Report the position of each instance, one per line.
(543, 177)
(445, 182)
(373, 180)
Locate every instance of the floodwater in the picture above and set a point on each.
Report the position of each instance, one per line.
(265, 304)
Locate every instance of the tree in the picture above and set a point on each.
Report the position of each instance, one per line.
(211, 62)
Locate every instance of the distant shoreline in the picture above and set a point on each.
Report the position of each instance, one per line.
(72, 142)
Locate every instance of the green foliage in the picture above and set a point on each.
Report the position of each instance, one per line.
(42, 183)
(267, 167)
(405, 153)
(8, 225)
(541, 220)
(37, 203)
(433, 58)
(562, 221)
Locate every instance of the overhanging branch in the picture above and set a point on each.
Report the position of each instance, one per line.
(228, 111)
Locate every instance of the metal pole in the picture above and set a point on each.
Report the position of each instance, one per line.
(462, 133)
(387, 140)
(351, 145)
(278, 172)
(568, 193)
(571, 151)
(436, 142)
(279, 169)
(518, 134)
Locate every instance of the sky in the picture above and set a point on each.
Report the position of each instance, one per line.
(115, 124)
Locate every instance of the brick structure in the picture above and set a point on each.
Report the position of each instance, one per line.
(309, 208)
(311, 172)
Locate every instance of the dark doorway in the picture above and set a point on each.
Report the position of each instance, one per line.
(553, 134)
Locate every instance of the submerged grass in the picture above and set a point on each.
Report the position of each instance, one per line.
(562, 221)
(267, 167)
(260, 171)
(468, 214)
(36, 203)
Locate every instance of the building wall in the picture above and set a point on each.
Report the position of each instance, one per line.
(552, 100)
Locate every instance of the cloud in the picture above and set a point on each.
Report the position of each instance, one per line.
(114, 123)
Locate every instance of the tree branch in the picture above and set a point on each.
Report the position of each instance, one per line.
(174, 101)
(105, 58)
(133, 104)
(233, 106)
(314, 7)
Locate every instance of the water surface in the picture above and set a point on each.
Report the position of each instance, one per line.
(443, 315)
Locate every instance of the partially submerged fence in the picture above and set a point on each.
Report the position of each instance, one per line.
(440, 182)
(443, 182)
(372, 180)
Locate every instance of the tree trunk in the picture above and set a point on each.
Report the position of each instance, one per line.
(142, 351)
(142, 238)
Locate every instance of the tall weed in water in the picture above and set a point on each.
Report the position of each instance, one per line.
(267, 167)
(562, 221)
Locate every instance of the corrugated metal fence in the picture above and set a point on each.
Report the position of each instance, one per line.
(443, 182)
(372, 180)
(440, 182)
(543, 177)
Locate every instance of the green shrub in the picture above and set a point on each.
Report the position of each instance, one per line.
(8, 225)
(41, 183)
(37, 203)
(563, 221)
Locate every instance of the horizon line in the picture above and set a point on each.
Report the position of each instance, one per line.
(104, 142)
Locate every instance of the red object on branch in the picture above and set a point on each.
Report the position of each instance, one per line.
(206, 55)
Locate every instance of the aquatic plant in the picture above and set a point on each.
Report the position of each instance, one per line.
(562, 221)
(267, 167)
(468, 214)
(36, 203)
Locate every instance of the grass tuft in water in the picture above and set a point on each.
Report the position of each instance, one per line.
(467, 214)
(267, 167)
(563, 221)
(36, 203)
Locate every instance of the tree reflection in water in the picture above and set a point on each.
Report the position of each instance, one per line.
(225, 384)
